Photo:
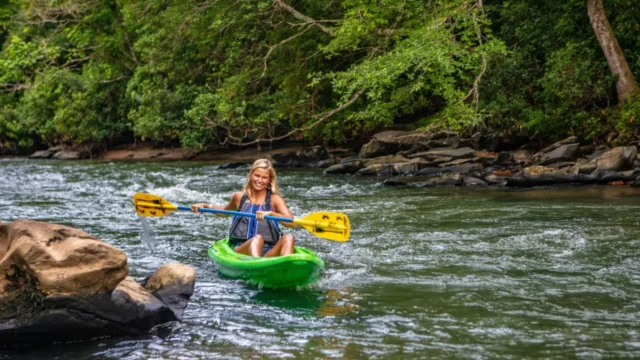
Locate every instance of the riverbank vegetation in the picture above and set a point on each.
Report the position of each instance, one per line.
(196, 73)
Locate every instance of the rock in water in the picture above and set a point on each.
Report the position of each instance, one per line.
(58, 283)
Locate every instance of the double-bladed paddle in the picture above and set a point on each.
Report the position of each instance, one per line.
(326, 225)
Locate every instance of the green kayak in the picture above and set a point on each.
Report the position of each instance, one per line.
(301, 268)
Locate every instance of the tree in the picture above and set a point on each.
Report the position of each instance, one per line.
(626, 85)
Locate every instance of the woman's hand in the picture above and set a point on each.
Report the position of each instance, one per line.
(195, 207)
(261, 214)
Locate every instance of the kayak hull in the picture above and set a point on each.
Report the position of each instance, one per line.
(299, 269)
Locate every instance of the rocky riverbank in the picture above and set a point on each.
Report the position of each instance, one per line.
(439, 158)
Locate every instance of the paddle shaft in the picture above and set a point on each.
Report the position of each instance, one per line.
(236, 213)
(326, 225)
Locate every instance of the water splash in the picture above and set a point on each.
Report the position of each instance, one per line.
(147, 237)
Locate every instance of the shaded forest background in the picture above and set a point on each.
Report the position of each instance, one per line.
(201, 73)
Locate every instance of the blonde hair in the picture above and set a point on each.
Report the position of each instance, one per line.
(262, 164)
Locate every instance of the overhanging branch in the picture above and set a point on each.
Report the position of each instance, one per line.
(296, 14)
(321, 118)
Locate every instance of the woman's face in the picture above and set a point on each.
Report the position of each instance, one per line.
(260, 178)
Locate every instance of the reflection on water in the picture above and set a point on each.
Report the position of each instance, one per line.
(428, 273)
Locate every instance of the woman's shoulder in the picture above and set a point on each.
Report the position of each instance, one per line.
(236, 197)
(276, 197)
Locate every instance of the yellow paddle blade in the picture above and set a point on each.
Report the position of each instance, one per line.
(152, 205)
(327, 225)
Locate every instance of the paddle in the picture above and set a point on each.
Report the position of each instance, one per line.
(326, 225)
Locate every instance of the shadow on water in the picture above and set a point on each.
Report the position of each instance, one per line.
(317, 302)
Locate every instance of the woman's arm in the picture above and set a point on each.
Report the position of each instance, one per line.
(232, 205)
(280, 209)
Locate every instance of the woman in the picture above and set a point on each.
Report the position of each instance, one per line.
(260, 195)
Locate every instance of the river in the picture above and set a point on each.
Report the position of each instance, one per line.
(428, 272)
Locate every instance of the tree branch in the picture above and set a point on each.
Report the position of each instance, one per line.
(321, 118)
(273, 47)
(474, 93)
(303, 17)
(7, 88)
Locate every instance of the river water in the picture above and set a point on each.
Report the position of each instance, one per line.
(427, 273)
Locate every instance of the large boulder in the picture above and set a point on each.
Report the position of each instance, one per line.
(378, 148)
(391, 142)
(618, 158)
(173, 284)
(62, 259)
(58, 283)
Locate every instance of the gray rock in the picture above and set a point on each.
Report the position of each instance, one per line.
(406, 168)
(173, 284)
(472, 181)
(454, 154)
(505, 158)
(284, 159)
(349, 168)
(596, 154)
(584, 167)
(448, 179)
(405, 180)
(618, 158)
(442, 143)
(458, 162)
(378, 148)
(42, 154)
(389, 135)
(562, 165)
(70, 155)
(312, 154)
(325, 163)
(351, 159)
(389, 159)
(560, 153)
(463, 169)
(431, 160)
(377, 170)
(587, 150)
(498, 177)
(431, 171)
(569, 140)
(444, 134)
(528, 179)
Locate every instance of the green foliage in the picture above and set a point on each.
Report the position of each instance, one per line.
(554, 80)
(203, 72)
(628, 117)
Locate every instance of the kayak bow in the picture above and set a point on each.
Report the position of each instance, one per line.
(301, 268)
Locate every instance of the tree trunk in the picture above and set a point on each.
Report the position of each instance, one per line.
(626, 84)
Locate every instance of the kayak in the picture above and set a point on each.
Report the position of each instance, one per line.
(301, 268)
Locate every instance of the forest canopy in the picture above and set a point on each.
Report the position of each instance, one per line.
(198, 73)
